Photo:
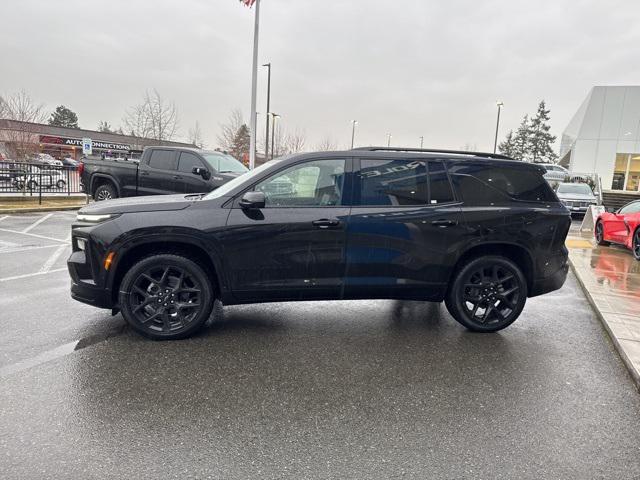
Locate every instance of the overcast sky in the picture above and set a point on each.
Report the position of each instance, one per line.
(410, 67)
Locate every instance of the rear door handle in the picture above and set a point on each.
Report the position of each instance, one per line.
(325, 223)
(444, 223)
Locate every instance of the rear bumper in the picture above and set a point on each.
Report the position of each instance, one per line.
(552, 282)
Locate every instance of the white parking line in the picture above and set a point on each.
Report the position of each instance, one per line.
(37, 222)
(52, 259)
(3, 217)
(33, 235)
(27, 275)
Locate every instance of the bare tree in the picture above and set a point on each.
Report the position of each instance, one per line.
(229, 130)
(326, 145)
(153, 118)
(21, 136)
(294, 141)
(195, 135)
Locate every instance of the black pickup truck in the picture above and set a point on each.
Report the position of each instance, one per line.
(161, 170)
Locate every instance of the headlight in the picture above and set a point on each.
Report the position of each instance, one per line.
(82, 243)
(84, 217)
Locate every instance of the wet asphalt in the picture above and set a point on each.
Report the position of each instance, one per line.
(359, 389)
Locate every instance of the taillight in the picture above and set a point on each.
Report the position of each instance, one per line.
(80, 168)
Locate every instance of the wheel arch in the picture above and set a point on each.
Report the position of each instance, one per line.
(98, 179)
(178, 245)
(514, 252)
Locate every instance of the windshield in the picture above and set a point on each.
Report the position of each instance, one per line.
(229, 186)
(224, 163)
(576, 188)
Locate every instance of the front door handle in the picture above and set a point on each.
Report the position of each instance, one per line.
(444, 223)
(325, 223)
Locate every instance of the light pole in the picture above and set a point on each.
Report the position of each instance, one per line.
(266, 137)
(273, 132)
(388, 139)
(421, 141)
(353, 131)
(495, 142)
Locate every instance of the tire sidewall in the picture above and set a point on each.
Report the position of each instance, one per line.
(168, 260)
(454, 301)
(634, 242)
(107, 187)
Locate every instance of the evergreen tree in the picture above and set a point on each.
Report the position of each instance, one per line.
(540, 140)
(104, 127)
(520, 141)
(241, 143)
(64, 117)
(506, 147)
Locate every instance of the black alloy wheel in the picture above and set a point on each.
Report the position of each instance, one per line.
(635, 245)
(488, 294)
(166, 297)
(600, 234)
(104, 192)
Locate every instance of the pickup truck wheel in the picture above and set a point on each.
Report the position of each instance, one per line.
(166, 297)
(105, 191)
(61, 184)
(488, 294)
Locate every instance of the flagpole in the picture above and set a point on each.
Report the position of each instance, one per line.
(254, 89)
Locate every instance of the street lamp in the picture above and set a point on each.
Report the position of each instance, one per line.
(273, 131)
(353, 131)
(266, 137)
(495, 142)
(388, 139)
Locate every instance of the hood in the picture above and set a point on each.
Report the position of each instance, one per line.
(225, 175)
(579, 197)
(154, 203)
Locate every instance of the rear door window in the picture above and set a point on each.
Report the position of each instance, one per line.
(440, 187)
(393, 182)
(163, 159)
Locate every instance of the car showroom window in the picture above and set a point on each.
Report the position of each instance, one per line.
(163, 159)
(310, 184)
(393, 182)
(188, 161)
(439, 185)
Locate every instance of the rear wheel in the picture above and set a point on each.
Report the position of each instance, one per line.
(32, 185)
(166, 297)
(600, 234)
(635, 244)
(488, 294)
(61, 184)
(106, 191)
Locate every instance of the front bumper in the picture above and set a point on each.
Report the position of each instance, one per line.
(83, 288)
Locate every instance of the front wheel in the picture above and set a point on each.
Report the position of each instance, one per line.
(487, 294)
(166, 297)
(600, 234)
(635, 244)
(61, 184)
(105, 191)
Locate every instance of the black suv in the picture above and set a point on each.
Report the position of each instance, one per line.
(480, 232)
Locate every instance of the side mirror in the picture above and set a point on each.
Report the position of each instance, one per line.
(252, 200)
(203, 172)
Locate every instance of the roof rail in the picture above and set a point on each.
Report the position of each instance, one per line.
(434, 150)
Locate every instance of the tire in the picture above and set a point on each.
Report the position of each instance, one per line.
(599, 234)
(635, 244)
(497, 300)
(106, 191)
(61, 184)
(156, 295)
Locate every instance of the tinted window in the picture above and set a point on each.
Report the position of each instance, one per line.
(631, 208)
(163, 159)
(188, 161)
(440, 188)
(393, 182)
(315, 183)
(502, 181)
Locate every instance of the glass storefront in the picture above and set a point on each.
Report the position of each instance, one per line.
(626, 173)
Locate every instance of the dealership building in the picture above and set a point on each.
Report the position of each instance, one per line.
(61, 142)
(603, 137)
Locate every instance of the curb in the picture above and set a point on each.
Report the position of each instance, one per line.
(633, 372)
(39, 209)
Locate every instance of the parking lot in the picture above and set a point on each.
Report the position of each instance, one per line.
(359, 389)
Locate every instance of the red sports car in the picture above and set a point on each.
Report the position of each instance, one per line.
(621, 228)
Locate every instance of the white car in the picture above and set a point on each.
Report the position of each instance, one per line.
(555, 173)
(47, 160)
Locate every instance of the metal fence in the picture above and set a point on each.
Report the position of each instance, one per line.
(38, 179)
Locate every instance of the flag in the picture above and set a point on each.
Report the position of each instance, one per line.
(248, 3)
